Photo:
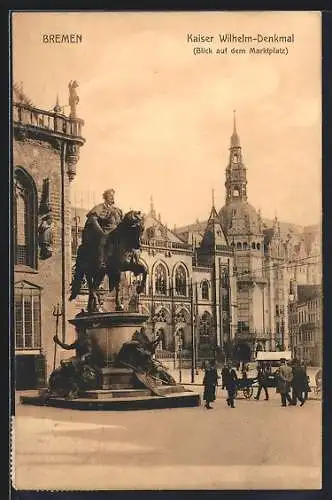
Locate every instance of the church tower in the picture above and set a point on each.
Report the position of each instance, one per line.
(243, 227)
(236, 175)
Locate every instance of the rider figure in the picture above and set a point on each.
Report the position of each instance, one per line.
(102, 220)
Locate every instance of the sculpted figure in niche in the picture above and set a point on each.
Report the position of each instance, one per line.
(45, 236)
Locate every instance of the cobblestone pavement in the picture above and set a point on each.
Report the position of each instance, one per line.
(257, 445)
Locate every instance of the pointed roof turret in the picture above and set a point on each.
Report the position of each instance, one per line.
(152, 210)
(235, 139)
(214, 234)
(57, 107)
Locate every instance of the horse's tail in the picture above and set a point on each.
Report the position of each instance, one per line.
(78, 276)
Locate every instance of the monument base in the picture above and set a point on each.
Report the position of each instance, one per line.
(138, 400)
(119, 388)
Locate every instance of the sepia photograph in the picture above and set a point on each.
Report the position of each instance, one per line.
(166, 215)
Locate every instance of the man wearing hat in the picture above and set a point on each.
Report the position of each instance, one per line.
(284, 382)
(229, 381)
(101, 221)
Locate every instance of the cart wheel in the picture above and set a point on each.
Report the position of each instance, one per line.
(248, 392)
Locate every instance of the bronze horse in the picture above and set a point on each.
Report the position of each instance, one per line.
(122, 254)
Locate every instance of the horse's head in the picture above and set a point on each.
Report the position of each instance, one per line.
(134, 219)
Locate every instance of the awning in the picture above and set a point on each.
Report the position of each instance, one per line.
(273, 355)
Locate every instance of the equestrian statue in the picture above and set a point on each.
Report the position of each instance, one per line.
(110, 246)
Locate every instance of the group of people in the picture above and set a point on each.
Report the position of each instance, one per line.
(292, 382)
(210, 382)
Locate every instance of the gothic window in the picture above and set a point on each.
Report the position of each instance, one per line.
(253, 245)
(180, 316)
(161, 280)
(27, 316)
(224, 279)
(238, 246)
(180, 281)
(205, 290)
(161, 316)
(258, 246)
(162, 337)
(235, 193)
(245, 245)
(205, 327)
(25, 211)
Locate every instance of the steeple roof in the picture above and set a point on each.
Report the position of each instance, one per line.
(214, 234)
(235, 139)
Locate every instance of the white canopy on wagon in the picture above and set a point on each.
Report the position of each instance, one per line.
(273, 355)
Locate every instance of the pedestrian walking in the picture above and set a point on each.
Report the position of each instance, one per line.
(229, 382)
(285, 378)
(210, 382)
(307, 381)
(262, 382)
(299, 383)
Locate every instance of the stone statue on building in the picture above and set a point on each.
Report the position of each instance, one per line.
(45, 236)
(73, 97)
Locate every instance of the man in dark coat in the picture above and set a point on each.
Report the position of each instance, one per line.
(285, 378)
(210, 383)
(299, 383)
(229, 381)
(262, 382)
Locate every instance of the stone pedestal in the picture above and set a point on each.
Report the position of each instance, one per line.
(119, 388)
(108, 331)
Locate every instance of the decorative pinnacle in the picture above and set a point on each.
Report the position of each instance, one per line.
(152, 210)
(57, 107)
(235, 140)
(213, 206)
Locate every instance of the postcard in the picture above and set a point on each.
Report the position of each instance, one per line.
(167, 262)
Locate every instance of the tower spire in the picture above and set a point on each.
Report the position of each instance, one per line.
(236, 177)
(235, 140)
(213, 204)
(152, 210)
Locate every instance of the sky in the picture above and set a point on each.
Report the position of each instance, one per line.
(158, 119)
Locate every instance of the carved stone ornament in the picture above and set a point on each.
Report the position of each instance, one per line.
(46, 237)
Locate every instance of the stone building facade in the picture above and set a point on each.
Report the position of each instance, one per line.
(224, 284)
(268, 257)
(44, 156)
(306, 323)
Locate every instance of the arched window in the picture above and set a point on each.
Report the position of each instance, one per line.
(180, 281)
(161, 280)
(258, 246)
(205, 324)
(245, 245)
(25, 215)
(181, 316)
(205, 290)
(253, 245)
(238, 246)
